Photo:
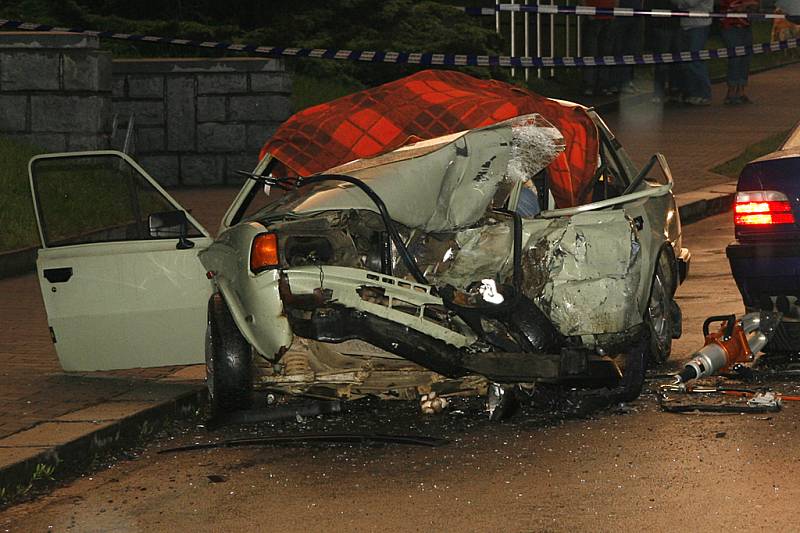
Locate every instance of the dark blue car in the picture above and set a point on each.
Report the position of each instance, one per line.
(765, 258)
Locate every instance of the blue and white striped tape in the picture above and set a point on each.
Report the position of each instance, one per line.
(614, 12)
(424, 59)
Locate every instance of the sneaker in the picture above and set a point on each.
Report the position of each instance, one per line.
(743, 99)
(657, 99)
(628, 88)
(698, 101)
(588, 92)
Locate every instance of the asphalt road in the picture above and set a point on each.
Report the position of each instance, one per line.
(626, 468)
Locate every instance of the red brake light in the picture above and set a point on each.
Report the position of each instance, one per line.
(264, 252)
(762, 208)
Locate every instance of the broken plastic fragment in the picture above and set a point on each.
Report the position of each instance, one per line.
(488, 290)
(432, 403)
(764, 399)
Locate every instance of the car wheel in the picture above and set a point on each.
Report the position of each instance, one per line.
(785, 340)
(229, 369)
(660, 315)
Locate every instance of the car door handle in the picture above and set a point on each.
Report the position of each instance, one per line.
(58, 275)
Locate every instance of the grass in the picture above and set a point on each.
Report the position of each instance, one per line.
(16, 207)
(733, 167)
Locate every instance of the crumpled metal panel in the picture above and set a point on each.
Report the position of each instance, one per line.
(584, 273)
(483, 252)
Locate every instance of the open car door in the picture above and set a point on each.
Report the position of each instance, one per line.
(118, 267)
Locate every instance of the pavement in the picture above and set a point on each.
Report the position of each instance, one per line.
(52, 422)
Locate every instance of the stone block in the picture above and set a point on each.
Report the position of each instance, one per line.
(278, 82)
(30, 70)
(202, 169)
(77, 143)
(118, 87)
(216, 137)
(221, 83)
(181, 113)
(86, 71)
(51, 142)
(246, 162)
(146, 112)
(74, 114)
(146, 86)
(164, 169)
(259, 108)
(257, 135)
(13, 111)
(210, 109)
(150, 139)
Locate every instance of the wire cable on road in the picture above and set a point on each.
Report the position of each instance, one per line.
(419, 58)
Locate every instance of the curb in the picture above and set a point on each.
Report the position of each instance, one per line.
(694, 206)
(18, 262)
(60, 461)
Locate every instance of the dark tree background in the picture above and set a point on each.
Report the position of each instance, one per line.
(397, 25)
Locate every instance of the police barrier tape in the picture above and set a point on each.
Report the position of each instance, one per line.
(424, 59)
(614, 12)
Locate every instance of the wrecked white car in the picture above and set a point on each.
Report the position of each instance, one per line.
(448, 265)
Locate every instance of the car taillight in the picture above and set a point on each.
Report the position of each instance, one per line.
(264, 252)
(762, 208)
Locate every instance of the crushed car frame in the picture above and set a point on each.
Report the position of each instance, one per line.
(446, 265)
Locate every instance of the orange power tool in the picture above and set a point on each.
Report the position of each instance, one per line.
(737, 341)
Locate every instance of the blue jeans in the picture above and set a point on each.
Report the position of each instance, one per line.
(738, 66)
(695, 73)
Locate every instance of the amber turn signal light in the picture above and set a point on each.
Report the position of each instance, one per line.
(264, 252)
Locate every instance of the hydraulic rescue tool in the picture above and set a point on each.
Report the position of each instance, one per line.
(738, 341)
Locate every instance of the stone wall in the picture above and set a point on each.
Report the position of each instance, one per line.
(198, 121)
(55, 90)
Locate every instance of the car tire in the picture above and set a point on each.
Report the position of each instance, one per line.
(785, 340)
(660, 315)
(229, 368)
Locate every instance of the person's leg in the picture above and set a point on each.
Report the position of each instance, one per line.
(747, 40)
(591, 31)
(623, 45)
(606, 46)
(734, 66)
(659, 44)
(698, 82)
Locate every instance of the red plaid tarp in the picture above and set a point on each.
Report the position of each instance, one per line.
(423, 106)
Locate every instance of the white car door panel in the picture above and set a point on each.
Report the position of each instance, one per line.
(116, 297)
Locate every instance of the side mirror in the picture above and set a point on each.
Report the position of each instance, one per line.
(171, 224)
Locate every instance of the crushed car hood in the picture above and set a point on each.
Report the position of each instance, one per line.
(437, 186)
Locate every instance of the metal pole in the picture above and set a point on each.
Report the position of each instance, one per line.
(527, 41)
(552, 38)
(497, 17)
(578, 36)
(538, 38)
(513, 41)
(566, 32)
